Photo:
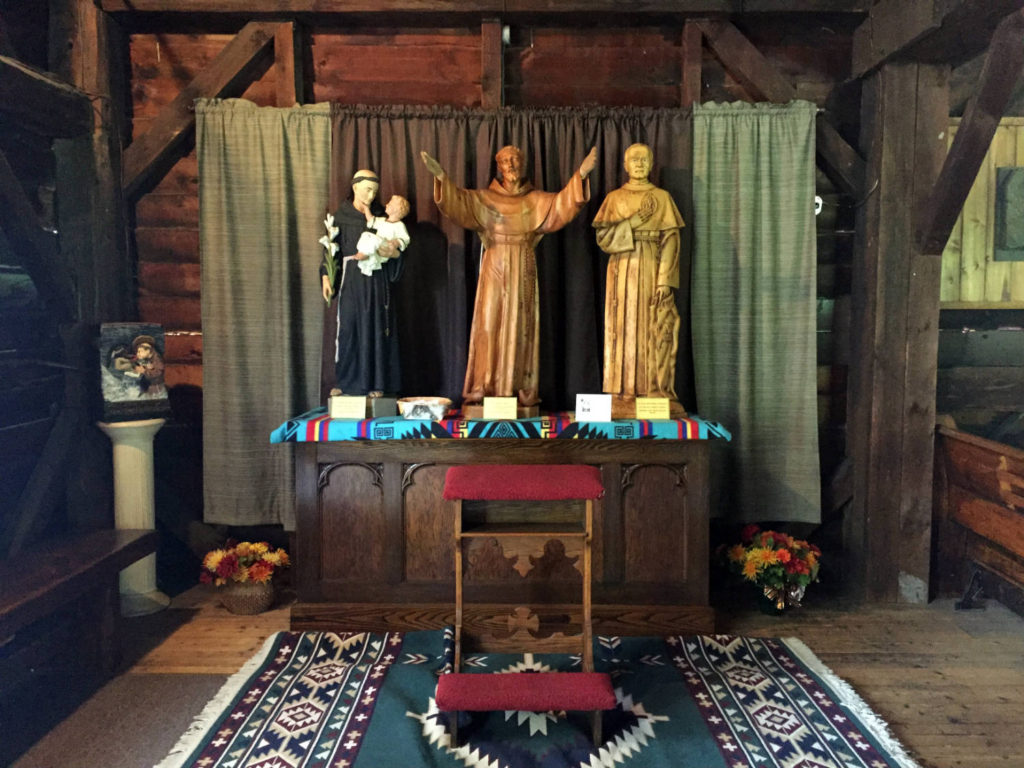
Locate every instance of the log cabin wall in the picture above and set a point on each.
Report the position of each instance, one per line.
(981, 340)
(606, 64)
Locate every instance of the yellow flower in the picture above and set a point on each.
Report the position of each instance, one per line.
(242, 574)
(212, 559)
(243, 548)
(763, 556)
(260, 547)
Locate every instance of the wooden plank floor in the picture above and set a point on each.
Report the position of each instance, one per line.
(950, 683)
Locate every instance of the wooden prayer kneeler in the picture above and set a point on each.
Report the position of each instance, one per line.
(525, 691)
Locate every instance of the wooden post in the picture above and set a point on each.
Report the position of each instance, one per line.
(491, 71)
(288, 65)
(690, 77)
(85, 47)
(895, 296)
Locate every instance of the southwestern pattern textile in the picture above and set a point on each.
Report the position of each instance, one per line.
(317, 426)
(324, 700)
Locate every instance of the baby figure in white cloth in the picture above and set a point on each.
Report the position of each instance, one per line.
(388, 238)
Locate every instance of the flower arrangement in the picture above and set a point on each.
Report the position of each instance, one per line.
(781, 565)
(242, 562)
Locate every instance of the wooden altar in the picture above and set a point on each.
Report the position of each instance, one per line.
(374, 538)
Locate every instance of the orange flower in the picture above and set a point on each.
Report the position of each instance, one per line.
(737, 553)
(764, 556)
(750, 570)
(261, 571)
(783, 555)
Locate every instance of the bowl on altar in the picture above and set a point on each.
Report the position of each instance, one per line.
(433, 408)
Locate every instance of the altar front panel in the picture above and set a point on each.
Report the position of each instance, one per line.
(374, 535)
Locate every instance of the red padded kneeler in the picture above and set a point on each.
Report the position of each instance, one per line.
(524, 691)
(523, 482)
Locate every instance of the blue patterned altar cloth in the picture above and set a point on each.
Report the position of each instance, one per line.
(317, 426)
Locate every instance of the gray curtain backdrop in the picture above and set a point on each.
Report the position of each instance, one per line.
(263, 188)
(753, 307)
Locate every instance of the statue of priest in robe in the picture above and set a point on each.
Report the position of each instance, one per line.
(510, 217)
(638, 227)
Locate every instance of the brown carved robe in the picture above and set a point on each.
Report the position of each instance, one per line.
(503, 340)
(641, 336)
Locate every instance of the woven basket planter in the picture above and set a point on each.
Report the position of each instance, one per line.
(247, 597)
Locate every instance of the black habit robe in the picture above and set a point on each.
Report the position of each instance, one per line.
(366, 354)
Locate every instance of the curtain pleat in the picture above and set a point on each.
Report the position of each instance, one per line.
(263, 185)
(754, 288)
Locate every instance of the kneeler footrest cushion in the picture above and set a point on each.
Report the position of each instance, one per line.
(523, 482)
(524, 691)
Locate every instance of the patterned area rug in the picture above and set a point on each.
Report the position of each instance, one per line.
(323, 700)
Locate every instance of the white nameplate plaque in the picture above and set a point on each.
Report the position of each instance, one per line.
(500, 408)
(593, 407)
(347, 407)
(652, 408)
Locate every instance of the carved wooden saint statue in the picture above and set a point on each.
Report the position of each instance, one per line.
(511, 217)
(638, 227)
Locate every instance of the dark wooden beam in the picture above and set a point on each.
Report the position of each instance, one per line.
(762, 80)
(288, 64)
(35, 250)
(1003, 65)
(87, 49)
(42, 103)
(554, 7)
(241, 62)
(894, 334)
(947, 31)
(492, 77)
(690, 79)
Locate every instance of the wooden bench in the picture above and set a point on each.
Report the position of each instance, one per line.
(66, 591)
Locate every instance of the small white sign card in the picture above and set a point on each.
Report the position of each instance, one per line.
(347, 407)
(500, 408)
(593, 407)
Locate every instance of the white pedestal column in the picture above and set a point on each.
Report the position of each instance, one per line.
(134, 508)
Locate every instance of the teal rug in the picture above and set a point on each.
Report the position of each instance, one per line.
(324, 700)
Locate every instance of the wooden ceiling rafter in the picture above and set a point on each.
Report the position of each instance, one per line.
(491, 8)
(927, 31)
(240, 63)
(42, 103)
(1004, 63)
(762, 80)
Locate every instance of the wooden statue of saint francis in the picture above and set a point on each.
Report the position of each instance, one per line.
(510, 217)
(638, 227)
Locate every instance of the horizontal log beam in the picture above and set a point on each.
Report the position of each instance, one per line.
(1003, 65)
(927, 31)
(557, 7)
(243, 60)
(41, 103)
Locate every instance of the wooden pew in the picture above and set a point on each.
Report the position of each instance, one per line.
(66, 591)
